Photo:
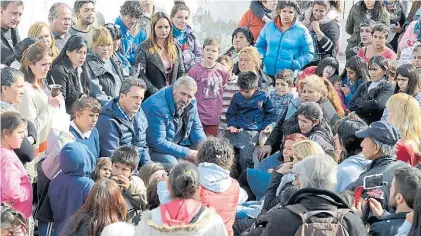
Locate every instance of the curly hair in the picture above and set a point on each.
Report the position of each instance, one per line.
(132, 9)
(217, 151)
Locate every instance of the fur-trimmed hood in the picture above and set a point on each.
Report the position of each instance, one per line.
(209, 223)
(332, 15)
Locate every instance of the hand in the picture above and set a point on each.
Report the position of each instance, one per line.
(267, 130)
(316, 26)
(375, 207)
(192, 154)
(123, 181)
(346, 90)
(410, 217)
(134, 30)
(285, 168)
(264, 152)
(55, 101)
(233, 130)
(397, 29)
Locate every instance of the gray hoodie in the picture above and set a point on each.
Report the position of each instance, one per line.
(349, 171)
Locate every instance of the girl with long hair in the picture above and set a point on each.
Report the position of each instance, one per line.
(42, 31)
(69, 70)
(355, 74)
(404, 114)
(370, 98)
(159, 58)
(103, 206)
(37, 100)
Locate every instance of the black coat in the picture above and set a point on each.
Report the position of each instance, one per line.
(387, 225)
(65, 75)
(104, 85)
(5, 47)
(280, 221)
(382, 165)
(150, 67)
(369, 106)
(26, 151)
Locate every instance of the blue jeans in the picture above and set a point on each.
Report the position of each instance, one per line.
(45, 229)
(168, 161)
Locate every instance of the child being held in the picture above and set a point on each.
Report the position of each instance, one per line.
(251, 111)
(283, 93)
(85, 116)
(125, 161)
(210, 77)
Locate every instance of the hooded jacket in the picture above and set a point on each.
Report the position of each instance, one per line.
(323, 137)
(387, 225)
(105, 84)
(115, 130)
(69, 189)
(129, 44)
(381, 165)
(349, 170)
(328, 46)
(221, 192)
(160, 111)
(174, 219)
(312, 199)
(191, 50)
(291, 49)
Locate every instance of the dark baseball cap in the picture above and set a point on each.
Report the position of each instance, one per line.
(380, 131)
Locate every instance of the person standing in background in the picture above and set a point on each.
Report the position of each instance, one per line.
(85, 13)
(11, 12)
(60, 17)
(148, 7)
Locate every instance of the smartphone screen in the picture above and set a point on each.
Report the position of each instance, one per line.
(373, 181)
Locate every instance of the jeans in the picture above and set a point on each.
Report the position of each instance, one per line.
(167, 160)
(45, 229)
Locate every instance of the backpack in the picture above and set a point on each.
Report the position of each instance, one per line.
(330, 224)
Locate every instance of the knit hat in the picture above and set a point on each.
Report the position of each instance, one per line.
(247, 33)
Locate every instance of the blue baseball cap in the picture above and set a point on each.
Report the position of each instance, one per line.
(380, 131)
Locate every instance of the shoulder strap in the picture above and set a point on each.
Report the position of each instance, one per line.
(299, 210)
(196, 217)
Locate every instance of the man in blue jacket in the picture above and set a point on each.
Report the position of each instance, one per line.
(174, 125)
(122, 121)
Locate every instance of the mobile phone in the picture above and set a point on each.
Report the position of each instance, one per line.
(373, 181)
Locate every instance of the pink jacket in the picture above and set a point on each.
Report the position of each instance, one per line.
(409, 37)
(16, 188)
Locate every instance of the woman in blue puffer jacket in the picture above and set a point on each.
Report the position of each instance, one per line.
(285, 43)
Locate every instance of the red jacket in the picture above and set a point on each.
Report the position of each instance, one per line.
(406, 153)
(251, 21)
(224, 203)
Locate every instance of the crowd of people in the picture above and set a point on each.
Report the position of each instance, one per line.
(136, 127)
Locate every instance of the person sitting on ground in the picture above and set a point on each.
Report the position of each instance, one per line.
(315, 176)
(241, 38)
(102, 169)
(151, 172)
(69, 189)
(185, 214)
(85, 113)
(125, 161)
(370, 98)
(123, 122)
(352, 162)
(355, 74)
(251, 111)
(404, 187)
(379, 146)
(174, 129)
(326, 67)
(218, 189)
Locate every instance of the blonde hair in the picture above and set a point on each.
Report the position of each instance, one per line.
(102, 37)
(254, 54)
(407, 118)
(169, 44)
(316, 83)
(306, 148)
(35, 30)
